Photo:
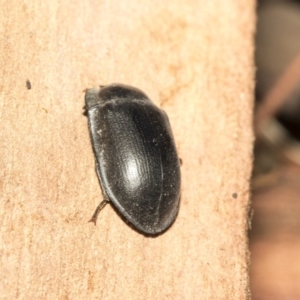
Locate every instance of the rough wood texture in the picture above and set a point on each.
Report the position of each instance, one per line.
(195, 60)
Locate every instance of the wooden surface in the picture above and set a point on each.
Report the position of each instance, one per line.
(195, 60)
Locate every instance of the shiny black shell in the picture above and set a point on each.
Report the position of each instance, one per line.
(136, 158)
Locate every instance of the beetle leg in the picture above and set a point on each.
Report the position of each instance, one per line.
(96, 213)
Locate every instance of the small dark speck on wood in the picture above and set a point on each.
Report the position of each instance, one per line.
(28, 84)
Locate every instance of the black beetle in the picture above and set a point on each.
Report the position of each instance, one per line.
(136, 159)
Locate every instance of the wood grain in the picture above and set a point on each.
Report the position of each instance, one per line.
(195, 60)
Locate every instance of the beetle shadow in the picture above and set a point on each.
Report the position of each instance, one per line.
(84, 111)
